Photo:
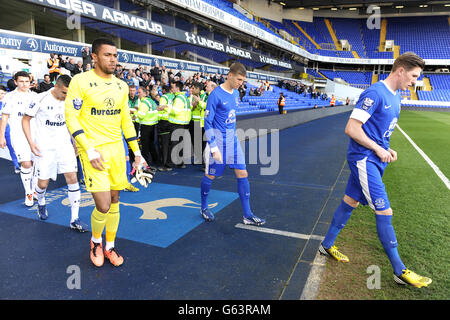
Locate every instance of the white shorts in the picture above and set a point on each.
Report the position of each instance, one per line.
(22, 149)
(54, 162)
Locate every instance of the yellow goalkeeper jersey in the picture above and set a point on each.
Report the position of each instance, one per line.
(97, 111)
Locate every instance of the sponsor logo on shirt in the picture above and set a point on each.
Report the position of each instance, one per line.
(388, 133)
(103, 112)
(55, 123)
(231, 117)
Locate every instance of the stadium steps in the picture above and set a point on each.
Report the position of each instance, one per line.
(413, 93)
(355, 54)
(383, 35)
(396, 51)
(333, 34)
(374, 78)
(306, 34)
(427, 83)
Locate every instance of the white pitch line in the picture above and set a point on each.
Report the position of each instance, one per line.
(279, 232)
(312, 285)
(427, 159)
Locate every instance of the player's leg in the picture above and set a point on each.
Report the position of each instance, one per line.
(212, 170)
(235, 159)
(388, 239)
(102, 202)
(98, 184)
(41, 189)
(12, 153)
(118, 181)
(340, 218)
(243, 187)
(74, 195)
(112, 225)
(26, 175)
(353, 196)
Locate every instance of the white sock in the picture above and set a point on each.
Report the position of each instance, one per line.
(95, 240)
(109, 245)
(25, 175)
(40, 195)
(74, 199)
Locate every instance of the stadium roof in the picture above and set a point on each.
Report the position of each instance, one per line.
(388, 5)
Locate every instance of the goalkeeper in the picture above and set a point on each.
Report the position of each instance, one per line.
(96, 115)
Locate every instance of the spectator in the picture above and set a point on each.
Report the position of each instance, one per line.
(78, 68)
(332, 101)
(87, 58)
(281, 103)
(242, 90)
(53, 67)
(156, 73)
(70, 65)
(46, 84)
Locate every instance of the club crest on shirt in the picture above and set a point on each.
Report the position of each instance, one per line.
(77, 103)
(109, 103)
(367, 104)
(379, 203)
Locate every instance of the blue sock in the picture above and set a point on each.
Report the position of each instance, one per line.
(204, 189)
(244, 195)
(386, 234)
(340, 218)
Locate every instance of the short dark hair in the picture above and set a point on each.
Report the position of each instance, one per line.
(46, 75)
(21, 74)
(179, 85)
(97, 43)
(408, 61)
(3, 88)
(64, 80)
(198, 85)
(238, 68)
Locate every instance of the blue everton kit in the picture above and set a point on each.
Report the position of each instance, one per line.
(220, 130)
(378, 108)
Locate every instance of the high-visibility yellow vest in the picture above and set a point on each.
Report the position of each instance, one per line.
(166, 100)
(180, 113)
(147, 112)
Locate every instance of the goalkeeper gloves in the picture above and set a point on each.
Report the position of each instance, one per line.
(143, 175)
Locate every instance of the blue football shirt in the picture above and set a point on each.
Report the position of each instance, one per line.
(220, 117)
(378, 108)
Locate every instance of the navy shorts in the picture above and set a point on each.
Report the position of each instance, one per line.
(365, 184)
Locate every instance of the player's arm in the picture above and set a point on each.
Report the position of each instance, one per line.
(73, 107)
(129, 132)
(354, 130)
(3, 124)
(210, 132)
(363, 110)
(30, 112)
